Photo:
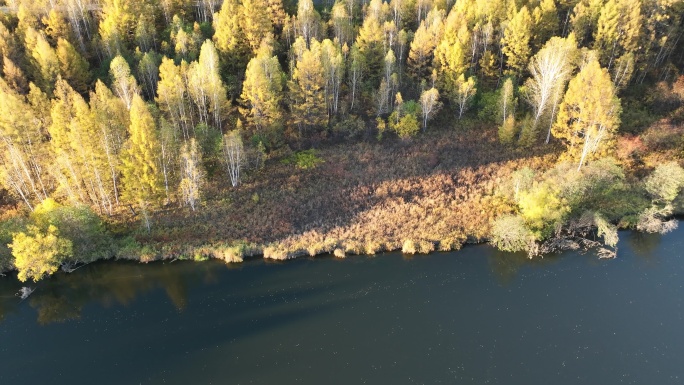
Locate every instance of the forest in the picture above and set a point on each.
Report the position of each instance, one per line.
(177, 129)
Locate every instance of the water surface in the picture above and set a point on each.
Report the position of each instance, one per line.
(475, 316)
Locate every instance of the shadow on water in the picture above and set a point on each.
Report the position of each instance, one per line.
(505, 266)
(643, 245)
(440, 318)
(62, 297)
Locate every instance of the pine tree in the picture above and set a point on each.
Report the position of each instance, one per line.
(546, 23)
(371, 42)
(306, 88)
(277, 14)
(262, 90)
(73, 67)
(516, 41)
(584, 19)
(118, 22)
(9, 43)
(256, 23)
(589, 114)
(80, 150)
(451, 53)
(44, 61)
(231, 42)
(141, 177)
(14, 76)
(422, 50)
(56, 27)
(618, 30)
(229, 39)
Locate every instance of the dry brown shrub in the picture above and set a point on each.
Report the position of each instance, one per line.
(364, 199)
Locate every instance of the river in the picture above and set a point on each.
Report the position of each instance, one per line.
(475, 316)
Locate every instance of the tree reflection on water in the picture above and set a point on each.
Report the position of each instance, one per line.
(63, 296)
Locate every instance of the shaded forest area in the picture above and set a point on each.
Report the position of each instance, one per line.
(200, 129)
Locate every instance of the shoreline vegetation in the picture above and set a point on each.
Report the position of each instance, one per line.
(150, 130)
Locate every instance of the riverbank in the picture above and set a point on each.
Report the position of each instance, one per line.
(434, 192)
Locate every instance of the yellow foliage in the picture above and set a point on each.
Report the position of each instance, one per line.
(38, 254)
(541, 208)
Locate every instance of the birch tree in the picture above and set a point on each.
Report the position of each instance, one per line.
(307, 22)
(333, 69)
(550, 70)
(507, 100)
(173, 98)
(148, 73)
(112, 120)
(234, 157)
(463, 93)
(206, 9)
(192, 175)
(507, 103)
(81, 156)
(355, 74)
(123, 83)
(79, 18)
(212, 83)
(23, 151)
(340, 18)
(429, 105)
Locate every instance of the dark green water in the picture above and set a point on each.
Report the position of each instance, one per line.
(471, 317)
